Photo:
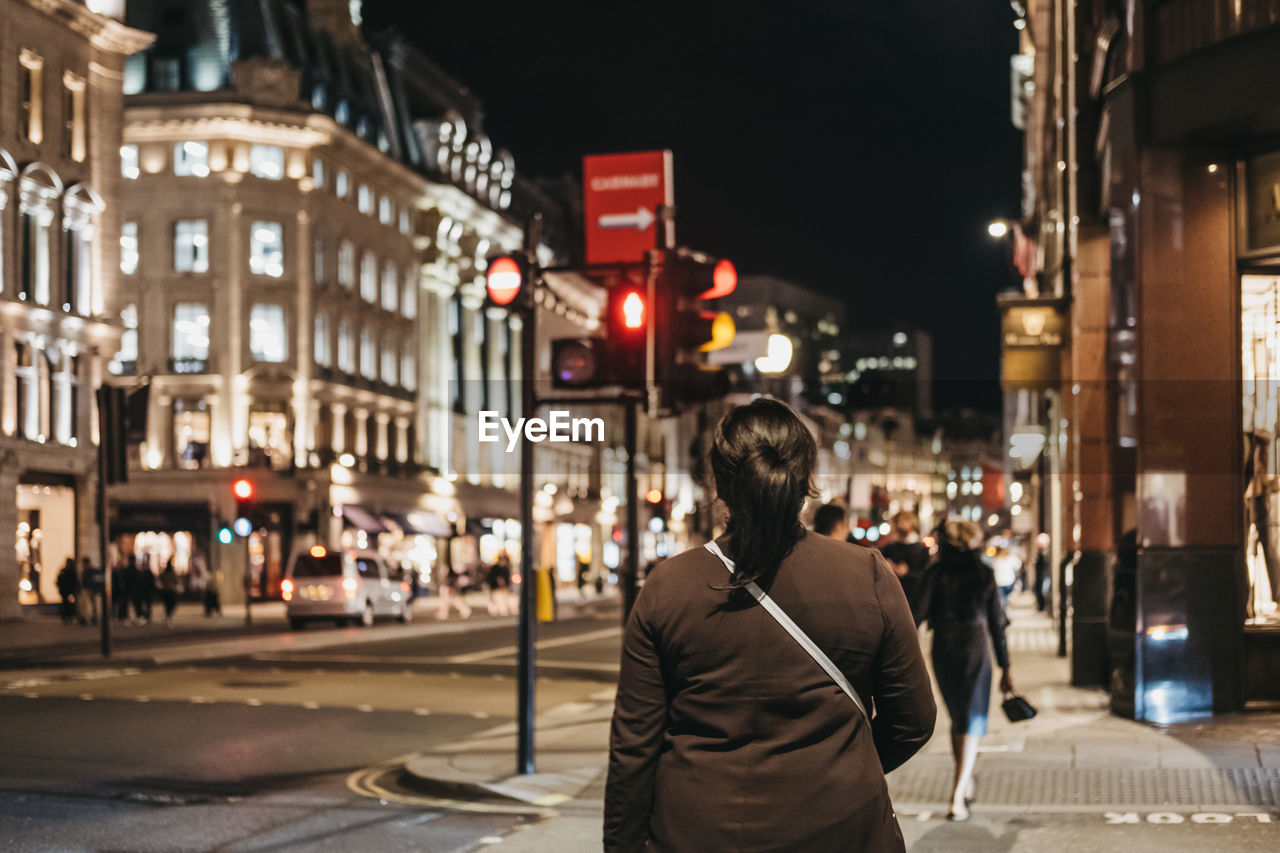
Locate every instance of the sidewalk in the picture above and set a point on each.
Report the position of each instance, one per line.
(1074, 777)
(42, 640)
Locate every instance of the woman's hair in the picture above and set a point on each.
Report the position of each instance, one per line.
(963, 579)
(762, 459)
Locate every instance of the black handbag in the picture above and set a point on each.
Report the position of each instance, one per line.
(1017, 709)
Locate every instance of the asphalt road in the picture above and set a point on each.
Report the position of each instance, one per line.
(257, 751)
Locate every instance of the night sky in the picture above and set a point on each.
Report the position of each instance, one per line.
(855, 147)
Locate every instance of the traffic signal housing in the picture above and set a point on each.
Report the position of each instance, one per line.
(243, 491)
(688, 327)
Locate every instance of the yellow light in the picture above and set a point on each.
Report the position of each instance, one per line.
(286, 589)
(723, 330)
(318, 551)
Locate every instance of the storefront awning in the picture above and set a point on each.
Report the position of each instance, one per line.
(420, 523)
(361, 519)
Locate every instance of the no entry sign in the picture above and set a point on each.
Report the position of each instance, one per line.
(621, 195)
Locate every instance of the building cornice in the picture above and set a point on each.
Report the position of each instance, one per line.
(102, 32)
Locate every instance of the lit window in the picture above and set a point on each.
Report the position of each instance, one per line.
(342, 112)
(129, 162)
(267, 338)
(191, 246)
(129, 248)
(346, 348)
(126, 360)
(191, 158)
(30, 87)
(190, 333)
(317, 173)
(368, 354)
(317, 260)
(390, 357)
(369, 277)
(409, 367)
(267, 161)
(390, 287)
(409, 299)
(404, 221)
(74, 128)
(323, 351)
(384, 210)
(266, 249)
(342, 184)
(364, 199)
(347, 264)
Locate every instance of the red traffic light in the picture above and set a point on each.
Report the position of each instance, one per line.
(633, 311)
(724, 280)
(242, 489)
(504, 280)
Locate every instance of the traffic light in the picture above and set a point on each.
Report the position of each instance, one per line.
(626, 330)
(507, 282)
(243, 491)
(687, 328)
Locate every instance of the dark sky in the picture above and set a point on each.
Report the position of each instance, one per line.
(855, 147)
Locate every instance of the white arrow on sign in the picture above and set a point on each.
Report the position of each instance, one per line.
(640, 220)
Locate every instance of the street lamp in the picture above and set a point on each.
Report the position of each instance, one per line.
(998, 228)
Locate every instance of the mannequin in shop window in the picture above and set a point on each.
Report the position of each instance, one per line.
(1259, 487)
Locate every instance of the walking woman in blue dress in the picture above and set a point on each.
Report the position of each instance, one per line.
(962, 605)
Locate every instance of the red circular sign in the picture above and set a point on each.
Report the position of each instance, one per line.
(504, 280)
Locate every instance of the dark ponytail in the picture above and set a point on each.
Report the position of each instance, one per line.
(762, 458)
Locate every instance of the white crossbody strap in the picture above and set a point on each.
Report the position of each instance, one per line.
(795, 631)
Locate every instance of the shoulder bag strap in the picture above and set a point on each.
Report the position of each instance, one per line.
(795, 631)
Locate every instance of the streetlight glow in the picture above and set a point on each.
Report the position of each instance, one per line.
(998, 228)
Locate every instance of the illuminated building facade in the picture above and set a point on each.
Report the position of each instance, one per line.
(59, 238)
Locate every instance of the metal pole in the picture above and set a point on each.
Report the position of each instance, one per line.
(527, 665)
(632, 573)
(248, 583)
(103, 538)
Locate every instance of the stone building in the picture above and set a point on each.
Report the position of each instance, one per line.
(60, 218)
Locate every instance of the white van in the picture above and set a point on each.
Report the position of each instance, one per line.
(346, 586)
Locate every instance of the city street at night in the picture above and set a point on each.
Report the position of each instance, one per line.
(685, 427)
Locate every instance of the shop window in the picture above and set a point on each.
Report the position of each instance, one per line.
(390, 287)
(191, 246)
(268, 340)
(269, 442)
(266, 161)
(129, 248)
(369, 277)
(1260, 315)
(347, 264)
(46, 538)
(190, 348)
(266, 249)
(191, 158)
(129, 162)
(191, 428)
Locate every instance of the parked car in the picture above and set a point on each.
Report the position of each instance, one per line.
(346, 586)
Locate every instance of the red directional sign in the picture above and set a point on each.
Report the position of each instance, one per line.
(621, 195)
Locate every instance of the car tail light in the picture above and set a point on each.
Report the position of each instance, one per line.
(349, 587)
(286, 589)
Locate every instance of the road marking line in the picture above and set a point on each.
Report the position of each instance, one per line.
(200, 700)
(422, 712)
(603, 633)
(31, 695)
(255, 701)
(88, 697)
(480, 715)
(142, 698)
(365, 708)
(311, 706)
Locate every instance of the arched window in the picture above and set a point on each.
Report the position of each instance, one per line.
(80, 208)
(38, 190)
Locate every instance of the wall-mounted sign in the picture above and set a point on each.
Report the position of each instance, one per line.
(1262, 194)
(1032, 333)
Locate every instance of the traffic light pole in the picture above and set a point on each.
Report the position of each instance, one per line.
(631, 577)
(528, 584)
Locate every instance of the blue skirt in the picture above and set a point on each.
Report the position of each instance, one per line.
(962, 665)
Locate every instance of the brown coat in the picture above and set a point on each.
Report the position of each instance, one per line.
(727, 736)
